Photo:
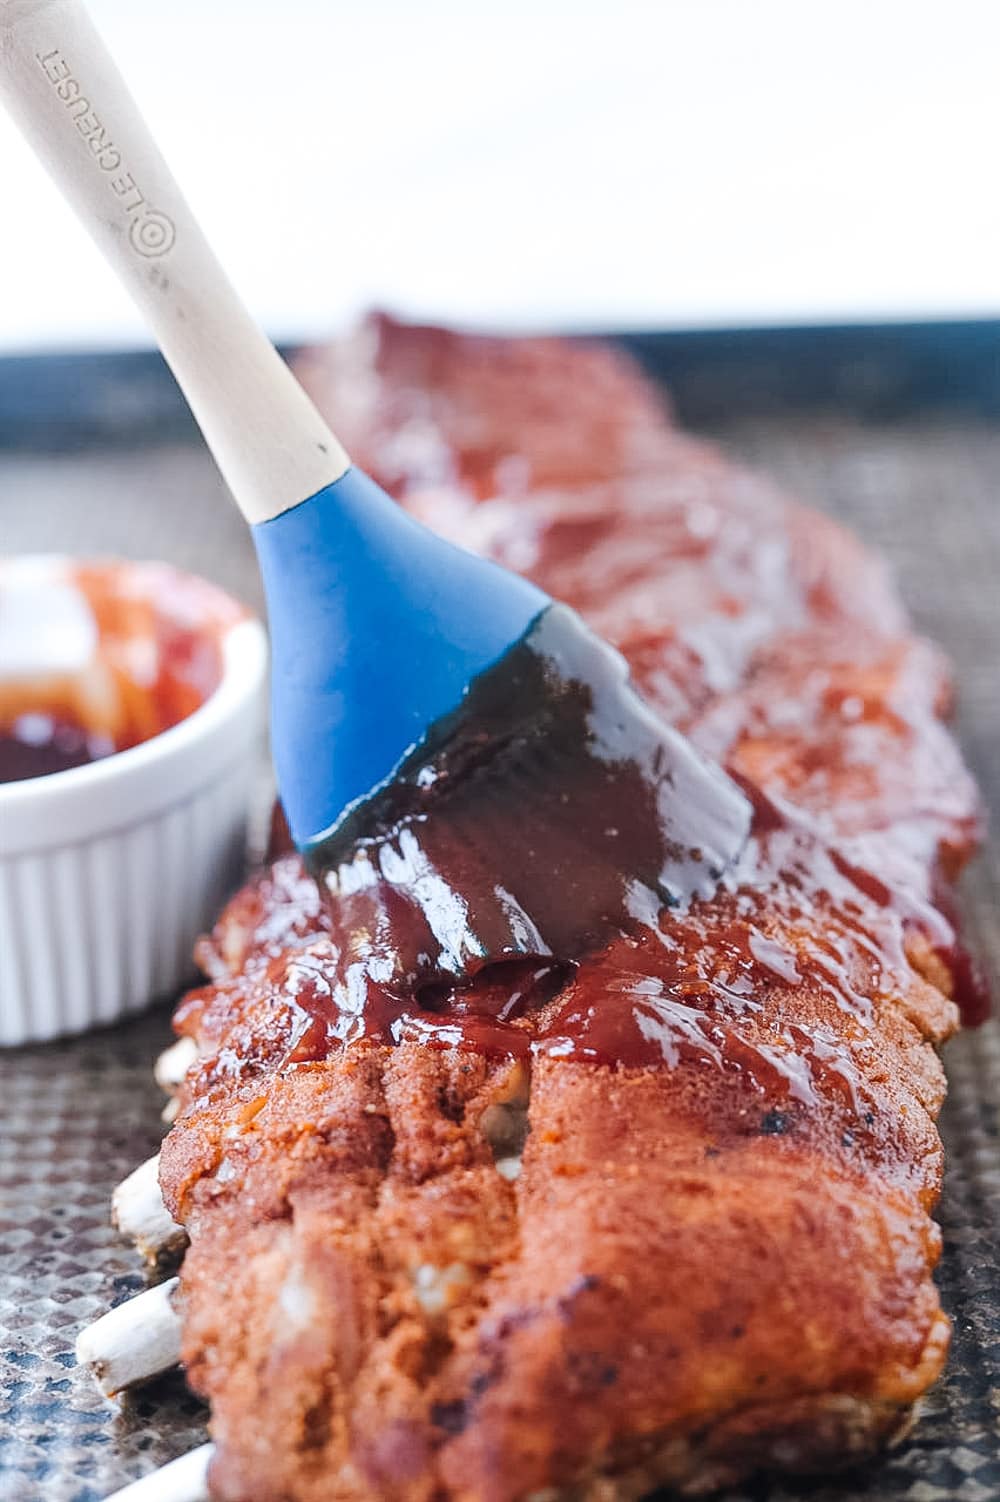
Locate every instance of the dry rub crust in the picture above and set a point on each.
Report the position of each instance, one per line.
(687, 1280)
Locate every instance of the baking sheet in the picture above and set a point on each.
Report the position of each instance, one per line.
(76, 1117)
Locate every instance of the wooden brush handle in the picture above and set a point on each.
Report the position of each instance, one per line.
(61, 85)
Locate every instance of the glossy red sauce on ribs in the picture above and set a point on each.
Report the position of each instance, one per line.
(762, 631)
(672, 1196)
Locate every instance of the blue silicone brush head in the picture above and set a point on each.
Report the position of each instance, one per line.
(377, 629)
(465, 766)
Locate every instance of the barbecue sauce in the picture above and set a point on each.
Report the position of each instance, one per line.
(781, 972)
(138, 651)
(535, 821)
(36, 745)
(716, 983)
(697, 987)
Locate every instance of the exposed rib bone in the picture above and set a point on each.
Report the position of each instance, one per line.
(174, 1063)
(138, 1212)
(183, 1480)
(138, 1340)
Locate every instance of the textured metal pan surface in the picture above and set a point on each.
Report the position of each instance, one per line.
(75, 1117)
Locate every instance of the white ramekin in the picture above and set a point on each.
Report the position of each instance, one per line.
(108, 872)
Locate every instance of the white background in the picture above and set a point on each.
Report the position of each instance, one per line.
(548, 162)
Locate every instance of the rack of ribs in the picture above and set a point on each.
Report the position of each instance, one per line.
(658, 1216)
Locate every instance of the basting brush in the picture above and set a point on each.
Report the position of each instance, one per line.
(444, 734)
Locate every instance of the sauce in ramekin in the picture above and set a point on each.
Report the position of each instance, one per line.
(98, 657)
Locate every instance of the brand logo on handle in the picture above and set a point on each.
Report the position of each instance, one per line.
(151, 233)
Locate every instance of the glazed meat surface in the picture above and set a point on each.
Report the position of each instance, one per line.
(660, 1216)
